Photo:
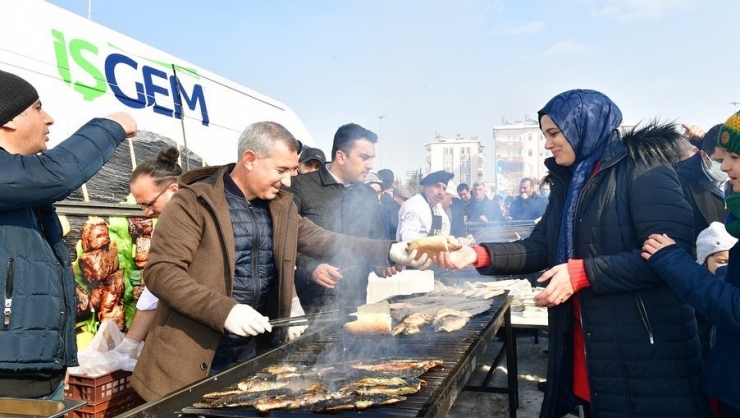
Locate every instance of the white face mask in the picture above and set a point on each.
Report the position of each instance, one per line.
(715, 172)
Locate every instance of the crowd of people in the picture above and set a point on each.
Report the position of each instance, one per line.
(636, 237)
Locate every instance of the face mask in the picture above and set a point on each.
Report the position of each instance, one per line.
(715, 172)
(544, 193)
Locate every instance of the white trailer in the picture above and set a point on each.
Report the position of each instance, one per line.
(83, 70)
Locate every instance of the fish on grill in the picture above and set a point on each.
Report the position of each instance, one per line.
(450, 323)
(450, 312)
(243, 399)
(411, 324)
(260, 385)
(285, 370)
(348, 385)
(230, 391)
(355, 402)
(399, 366)
(257, 384)
(390, 386)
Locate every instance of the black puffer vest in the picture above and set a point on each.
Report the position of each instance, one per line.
(255, 262)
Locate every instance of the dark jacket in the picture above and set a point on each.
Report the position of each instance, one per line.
(708, 204)
(706, 200)
(720, 302)
(457, 218)
(527, 209)
(389, 210)
(642, 352)
(191, 268)
(486, 207)
(352, 210)
(35, 270)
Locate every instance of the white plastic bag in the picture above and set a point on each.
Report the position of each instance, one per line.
(98, 358)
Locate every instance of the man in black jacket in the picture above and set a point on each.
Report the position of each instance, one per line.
(481, 208)
(388, 204)
(527, 206)
(703, 183)
(336, 198)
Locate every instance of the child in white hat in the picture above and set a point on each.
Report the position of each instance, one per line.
(713, 246)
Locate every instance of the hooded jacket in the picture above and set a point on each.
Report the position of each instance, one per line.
(191, 268)
(642, 350)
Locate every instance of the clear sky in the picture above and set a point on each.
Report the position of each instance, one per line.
(448, 67)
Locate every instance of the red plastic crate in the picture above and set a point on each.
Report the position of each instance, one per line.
(96, 390)
(109, 408)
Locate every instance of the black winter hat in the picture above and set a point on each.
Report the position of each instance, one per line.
(437, 177)
(16, 95)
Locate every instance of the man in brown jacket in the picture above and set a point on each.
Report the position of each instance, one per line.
(223, 255)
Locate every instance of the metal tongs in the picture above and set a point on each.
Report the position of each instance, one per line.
(325, 316)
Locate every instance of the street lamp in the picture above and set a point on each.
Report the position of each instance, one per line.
(380, 136)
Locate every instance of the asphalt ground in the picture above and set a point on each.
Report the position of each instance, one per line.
(532, 365)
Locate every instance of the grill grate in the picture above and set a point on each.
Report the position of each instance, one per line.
(459, 350)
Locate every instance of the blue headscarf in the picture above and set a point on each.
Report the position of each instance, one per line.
(586, 118)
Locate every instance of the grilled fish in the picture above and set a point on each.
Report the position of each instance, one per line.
(294, 401)
(450, 323)
(450, 312)
(398, 366)
(355, 402)
(247, 398)
(389, 386)
(230, 391)
(259, 385)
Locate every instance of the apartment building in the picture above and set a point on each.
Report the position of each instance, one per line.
(462, 157)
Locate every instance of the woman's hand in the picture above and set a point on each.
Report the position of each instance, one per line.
(655, 243)
(558, 290)
(456, 260)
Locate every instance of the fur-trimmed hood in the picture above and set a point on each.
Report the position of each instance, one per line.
(654, 142)
(646, 144)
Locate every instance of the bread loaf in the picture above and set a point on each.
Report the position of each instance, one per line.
(370, 323)
(433, 245)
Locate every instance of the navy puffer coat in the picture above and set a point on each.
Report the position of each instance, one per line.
(642, 350)
(719, 301)
(35, 273)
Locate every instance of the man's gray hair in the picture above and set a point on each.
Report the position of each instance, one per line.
(261, 137)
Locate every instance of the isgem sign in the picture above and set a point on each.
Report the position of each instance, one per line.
(135, 85)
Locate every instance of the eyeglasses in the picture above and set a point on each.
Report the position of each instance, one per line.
(149, 205)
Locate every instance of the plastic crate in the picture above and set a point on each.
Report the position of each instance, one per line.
(96, 390)
(109, 408)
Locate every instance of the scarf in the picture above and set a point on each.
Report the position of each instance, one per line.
(587, 119)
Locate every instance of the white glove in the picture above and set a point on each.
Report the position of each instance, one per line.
(244, 320)
(127, 347)
(296, 310)
(399, 255)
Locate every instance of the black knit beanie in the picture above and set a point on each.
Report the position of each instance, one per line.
(16, 95)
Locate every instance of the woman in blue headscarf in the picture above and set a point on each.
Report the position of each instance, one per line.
(620, 342)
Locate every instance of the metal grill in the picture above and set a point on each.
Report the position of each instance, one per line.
(460, 351)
